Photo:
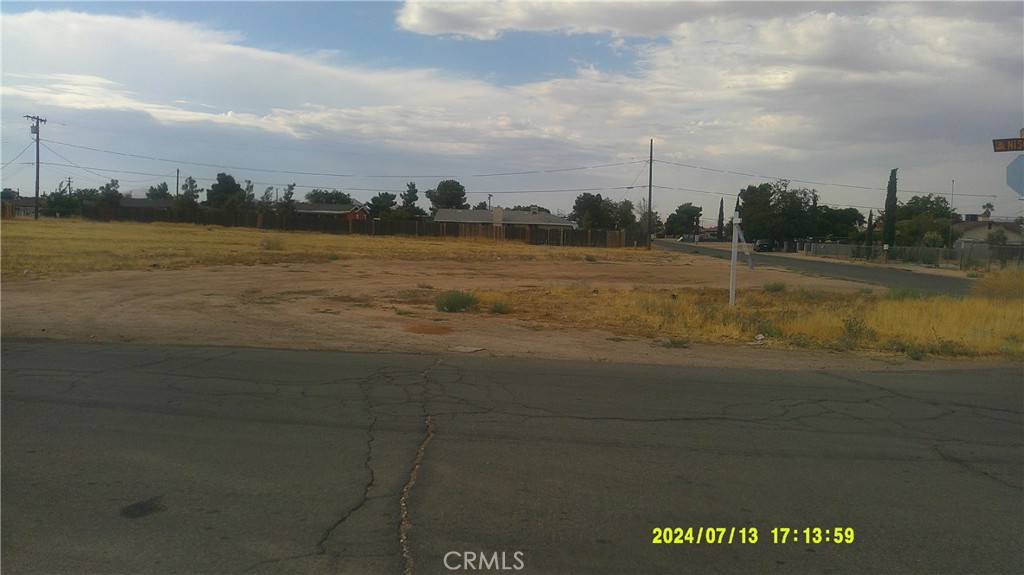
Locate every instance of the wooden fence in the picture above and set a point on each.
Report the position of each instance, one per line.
(533, 235)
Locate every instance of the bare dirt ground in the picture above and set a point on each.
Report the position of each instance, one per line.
(386, 306)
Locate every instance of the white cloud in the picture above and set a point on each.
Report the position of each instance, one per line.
(817, 91)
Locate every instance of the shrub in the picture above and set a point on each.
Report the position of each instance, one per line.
(899, 293)
(500, 306)
(454, 300)
(774, 287)
(274, 244)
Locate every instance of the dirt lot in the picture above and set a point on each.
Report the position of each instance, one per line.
(385, 306)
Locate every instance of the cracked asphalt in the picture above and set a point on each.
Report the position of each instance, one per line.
(157, 459)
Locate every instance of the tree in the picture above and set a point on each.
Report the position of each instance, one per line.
(286, 205)
(920, 215)
(641, 218)
(318, 196)
(841, 223)
(625, 218)
(481, 206)
(382, 204)
(159, 192)
(109, 196)
(755, 210)
(684, 221)
(996, 237)
(519, 208)
(266, 202)
(889, 217)
(189, 197)
(449, 194)
(720, 230)
(869, 232)
(988, 207)
(226, 193)
(8, 194)
(409, 210)
(591, 212)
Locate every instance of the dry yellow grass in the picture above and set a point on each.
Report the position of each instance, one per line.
(49, 246)
(988, 323)
(944, 326)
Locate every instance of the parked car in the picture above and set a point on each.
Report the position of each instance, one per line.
(763, 246)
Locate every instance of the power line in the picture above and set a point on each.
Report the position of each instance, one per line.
(341, 175)
(19, 155)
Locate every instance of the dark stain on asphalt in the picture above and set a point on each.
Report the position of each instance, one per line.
(143, 508)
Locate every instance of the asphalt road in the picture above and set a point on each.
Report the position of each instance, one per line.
(872, 274)
(131, 459)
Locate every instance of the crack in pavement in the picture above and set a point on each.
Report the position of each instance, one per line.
(406, 522)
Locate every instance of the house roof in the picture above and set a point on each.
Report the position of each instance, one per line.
(1008, 226)
(308, 208)
(510, 217)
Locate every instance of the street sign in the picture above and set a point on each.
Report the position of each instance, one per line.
(1008, 145)
(1015, 175)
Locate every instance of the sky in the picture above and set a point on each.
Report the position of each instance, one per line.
(522, 102)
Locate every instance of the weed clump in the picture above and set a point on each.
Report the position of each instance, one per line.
(272, 244)
(500, 307)
(454, 300)
(775, 287)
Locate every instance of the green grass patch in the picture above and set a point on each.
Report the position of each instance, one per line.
(454, 300)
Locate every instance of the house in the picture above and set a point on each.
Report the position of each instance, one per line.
(27, 206)
(978, 230)
(334, 211)
(500, 217)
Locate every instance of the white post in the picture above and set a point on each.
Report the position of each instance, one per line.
(732, 266)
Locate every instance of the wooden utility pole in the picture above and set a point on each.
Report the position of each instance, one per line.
(650, 208)
(35, 130)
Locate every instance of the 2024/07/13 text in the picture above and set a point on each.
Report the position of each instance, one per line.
(751, 535)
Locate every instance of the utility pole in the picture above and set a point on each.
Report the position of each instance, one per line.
(650, 187)
(35, 130)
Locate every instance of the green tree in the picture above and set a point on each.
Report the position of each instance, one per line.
(840, 223)
(449, 194)
(159, 192)
(625, 216)
(481, 206)
(318, 196)
(265, 203)
(189, 197)
(286, 205)
(519, 208)
(996, 237)
(109, 196)
(869, 232)
(889, 216)
(408, 210)
(755, 209)
(720, 230)
(226, 193)
(8, 194)
(592, 212)
(382, 204)
(684, 221)
(65, 201)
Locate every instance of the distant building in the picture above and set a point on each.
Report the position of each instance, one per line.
(978, 230)
(354, 211)
(501, 217)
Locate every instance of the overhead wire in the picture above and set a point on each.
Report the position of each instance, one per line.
(19, 154)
